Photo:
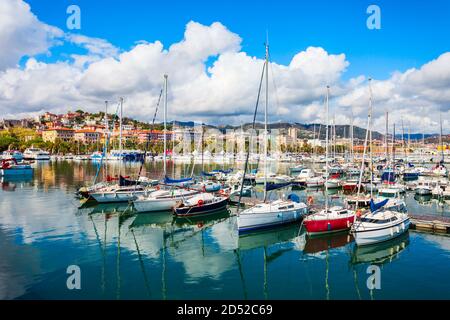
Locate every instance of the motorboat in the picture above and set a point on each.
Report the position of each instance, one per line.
(36, 154)
(315, 182)
(424, 187)
(10, 167)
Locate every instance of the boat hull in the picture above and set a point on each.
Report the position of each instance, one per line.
(155, 204)
(197, 210)
(372, 236)
(325, 226)
(109, 197)
(16, 172)
(259, 221)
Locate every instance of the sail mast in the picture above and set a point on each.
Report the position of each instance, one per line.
(326, 154)
(165, 125)
(265, 119)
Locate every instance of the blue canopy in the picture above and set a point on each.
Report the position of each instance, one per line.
(376, 206)
(388, 176)
(294, 197)
(273, 186)
(169, 181)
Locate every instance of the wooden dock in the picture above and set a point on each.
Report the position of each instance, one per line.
(435, 224)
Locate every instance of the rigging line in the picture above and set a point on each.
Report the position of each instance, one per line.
(274, 85)
(150, 136)
(253, 128)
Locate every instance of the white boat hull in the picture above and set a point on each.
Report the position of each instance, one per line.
(155, 204)
(119, 196)
(254, 221)
(370, 236)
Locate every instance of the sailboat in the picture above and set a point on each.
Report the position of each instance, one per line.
(164, 200)
(381, 223)
(275, 213)
(124, 191)
(334, 219)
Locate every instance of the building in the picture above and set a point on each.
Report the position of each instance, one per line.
(293, 133)
(87, 136)
(62, 134)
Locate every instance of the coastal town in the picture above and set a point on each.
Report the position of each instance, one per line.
(80, 132)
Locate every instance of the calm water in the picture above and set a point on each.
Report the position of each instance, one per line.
(151, 256)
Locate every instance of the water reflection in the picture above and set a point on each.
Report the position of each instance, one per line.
(381, 253)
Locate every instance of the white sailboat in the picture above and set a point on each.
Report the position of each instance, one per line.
(275, 213)
(118, 192)
(381, 223)
(163, 200)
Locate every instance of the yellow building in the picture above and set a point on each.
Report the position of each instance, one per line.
(63, 134)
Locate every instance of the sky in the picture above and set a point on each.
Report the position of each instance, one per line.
(213, 52)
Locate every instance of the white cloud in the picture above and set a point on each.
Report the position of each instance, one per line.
(21, 33)
(218, 91)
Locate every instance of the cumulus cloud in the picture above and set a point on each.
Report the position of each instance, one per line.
(211, 79)
(22, 34)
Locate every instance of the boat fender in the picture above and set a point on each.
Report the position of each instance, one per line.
(200, 202)
(200, 224)
(157, 187)
(329, 226)
(310, 200)
(204, 188)
(358, 213)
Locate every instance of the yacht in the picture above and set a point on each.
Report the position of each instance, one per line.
(334, 219)
(36, 154)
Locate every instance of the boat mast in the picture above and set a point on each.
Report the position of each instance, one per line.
(165, 125)
(265, 119)
(120, 127)
(351, 135)
(370, 138)
(105, 152)
(386, 136)
(440, 138)
(326, 153)
(369, 117)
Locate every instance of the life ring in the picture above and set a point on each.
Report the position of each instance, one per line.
(310, 200)
(200, 202)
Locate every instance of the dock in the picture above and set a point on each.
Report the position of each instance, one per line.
(430, 223)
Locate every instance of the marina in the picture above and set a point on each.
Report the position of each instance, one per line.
(156, 255)
(229, 151)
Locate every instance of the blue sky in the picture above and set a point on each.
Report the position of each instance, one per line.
(412, 33)
(213, 52)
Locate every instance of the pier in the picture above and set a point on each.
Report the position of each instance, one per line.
(430, 223)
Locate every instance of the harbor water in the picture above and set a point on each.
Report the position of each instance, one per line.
(122, 255)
